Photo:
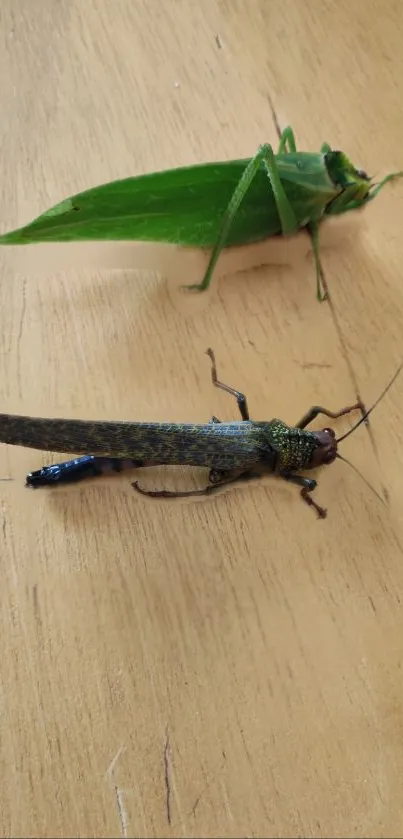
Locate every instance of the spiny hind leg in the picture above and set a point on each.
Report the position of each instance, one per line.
(217, 478)
(288, 220)
(166, 493)
(240, 397)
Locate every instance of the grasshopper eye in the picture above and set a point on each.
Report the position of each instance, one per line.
(363, 175)
(329, 431)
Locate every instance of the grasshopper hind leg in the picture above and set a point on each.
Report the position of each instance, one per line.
(217, 478)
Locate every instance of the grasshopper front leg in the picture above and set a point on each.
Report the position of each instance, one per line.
(313, 231)
(286, 213)
(288, 145)
(308, 485)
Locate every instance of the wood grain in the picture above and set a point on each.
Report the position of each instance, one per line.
(229, 668)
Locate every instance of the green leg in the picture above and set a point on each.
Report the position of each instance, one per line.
(313, 230)
(287, 142)
(360, 202)
(289, 146)
(288, 219)
(286, 137)
(391, 177)
(321, 291)
(345, 201)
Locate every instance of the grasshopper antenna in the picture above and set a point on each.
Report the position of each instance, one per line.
(367, 413)
(357, 471)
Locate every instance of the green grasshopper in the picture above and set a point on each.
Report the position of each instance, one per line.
(215, 205)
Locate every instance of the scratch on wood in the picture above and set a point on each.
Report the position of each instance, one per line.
(306, 365)
(206, 786)
(193, 810)
(36, 604)
(218, 42)
(121, 811)
(227, 804)
(274, 116)
(23, 310)
(20, 330)
(111, 767)
(118, 792)
(166, 777)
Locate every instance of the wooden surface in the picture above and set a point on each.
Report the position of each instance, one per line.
(232, 667)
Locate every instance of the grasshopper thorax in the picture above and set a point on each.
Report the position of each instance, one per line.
(296, 448)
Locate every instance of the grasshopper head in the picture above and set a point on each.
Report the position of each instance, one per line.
(326, 449)
(343, 173)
